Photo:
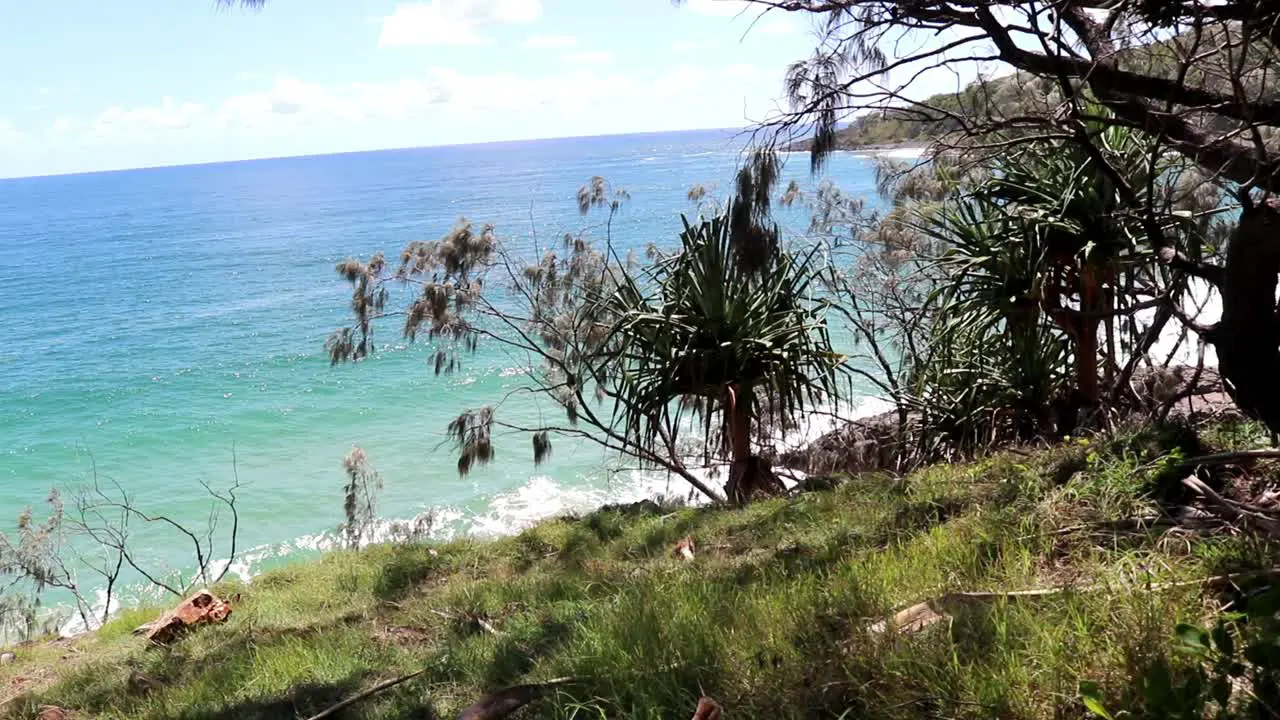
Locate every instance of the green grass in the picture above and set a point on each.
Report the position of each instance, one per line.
(770, 618)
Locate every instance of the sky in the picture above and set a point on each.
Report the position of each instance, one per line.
(97, 84)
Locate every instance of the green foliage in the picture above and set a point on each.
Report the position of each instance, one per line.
(360, 497)
(1228, 670)
(1003, 294)
(32, 560)
(449, 276)
(709, 324)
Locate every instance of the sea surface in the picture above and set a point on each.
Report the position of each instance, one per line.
(164, 328)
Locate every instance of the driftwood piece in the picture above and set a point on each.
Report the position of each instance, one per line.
(202, 608)
(917, 617)
(502, 703)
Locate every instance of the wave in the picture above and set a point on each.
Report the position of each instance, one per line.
(898, 153)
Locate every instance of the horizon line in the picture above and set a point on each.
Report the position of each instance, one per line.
(340, 153)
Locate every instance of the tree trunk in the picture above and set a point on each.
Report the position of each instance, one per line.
(749, 475)
(1248, 337)
(1087, 342)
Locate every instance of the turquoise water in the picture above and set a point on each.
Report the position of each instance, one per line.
(156, 321)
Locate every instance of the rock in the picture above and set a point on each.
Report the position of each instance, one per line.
(199, 609)
(7, 658)
(867, 444)
(635, 509)
(818, 483)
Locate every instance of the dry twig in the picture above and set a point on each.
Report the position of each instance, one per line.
(386, 684)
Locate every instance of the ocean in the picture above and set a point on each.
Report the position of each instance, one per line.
(160, 323)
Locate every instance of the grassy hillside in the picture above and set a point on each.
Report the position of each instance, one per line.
(772, 617)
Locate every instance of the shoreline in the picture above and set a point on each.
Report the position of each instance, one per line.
(904, 149)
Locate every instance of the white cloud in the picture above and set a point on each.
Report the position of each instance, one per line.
(437, 105)
(718, 8)
(682, 46)
(61, 125)
(169, 115)
(588, 58)
(292, 101)
(578, 91)
(452, 22)
(551, 41)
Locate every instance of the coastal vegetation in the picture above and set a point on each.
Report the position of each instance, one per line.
(1066, 512)
(1204, 97)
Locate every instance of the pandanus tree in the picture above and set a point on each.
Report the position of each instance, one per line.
(1044, 296)
(703, 330)
(1042, 238)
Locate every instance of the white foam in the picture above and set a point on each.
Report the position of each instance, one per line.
(898, 153)
(541, 498)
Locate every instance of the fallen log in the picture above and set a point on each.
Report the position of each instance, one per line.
(1228, 458)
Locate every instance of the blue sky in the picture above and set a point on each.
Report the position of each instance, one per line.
(93, 85)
